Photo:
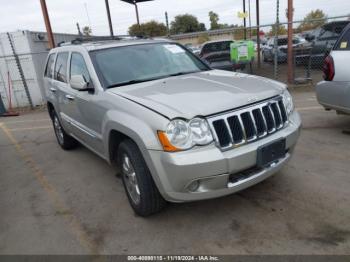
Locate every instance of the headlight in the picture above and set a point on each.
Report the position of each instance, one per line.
(182, 135)
(179, 134)
(288, 102)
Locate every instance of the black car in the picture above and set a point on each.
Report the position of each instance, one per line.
(268, 51)
(320, 43)
(217, 54)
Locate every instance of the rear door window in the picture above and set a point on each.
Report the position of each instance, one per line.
(49, 66)
(344, 42)
(60, 73)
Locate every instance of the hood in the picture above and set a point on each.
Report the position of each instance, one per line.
(200, 94)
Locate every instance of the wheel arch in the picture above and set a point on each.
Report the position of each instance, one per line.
(50, 109)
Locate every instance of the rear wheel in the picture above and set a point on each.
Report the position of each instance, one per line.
(64, 140)
(140, 188)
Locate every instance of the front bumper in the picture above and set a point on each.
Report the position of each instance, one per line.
(215, 170)
(332, 95)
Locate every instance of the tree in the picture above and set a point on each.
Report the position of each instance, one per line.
(214, 20)
(281, 30)
(202, 27)
(185, 24)
(149, 29)
(87, 31)
(312, 20)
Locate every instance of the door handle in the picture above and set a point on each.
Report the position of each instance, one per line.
(69, 97)
(53, 90)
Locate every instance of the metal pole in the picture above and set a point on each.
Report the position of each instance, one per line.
(277, 26)
(258, 31)
(167, 23)
(47, 24)
(244, 22)
(290, 42)
(109, 18)
(137, 13)
(250, 21)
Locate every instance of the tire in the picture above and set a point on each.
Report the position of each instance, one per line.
(140, 188)
(264, 57)
(63, 139)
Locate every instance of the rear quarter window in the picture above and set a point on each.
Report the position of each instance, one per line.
(344, 42)
(49, 66)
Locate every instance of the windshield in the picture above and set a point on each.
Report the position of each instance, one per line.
(217, 46)
(138, 63)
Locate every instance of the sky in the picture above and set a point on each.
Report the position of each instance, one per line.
(64, 14)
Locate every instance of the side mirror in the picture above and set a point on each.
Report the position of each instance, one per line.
(79, 83)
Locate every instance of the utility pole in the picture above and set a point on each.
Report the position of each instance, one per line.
(258, 31)
(47, 24)
(244, 22)
(250, 21)
(167, 23)
(137, 13)
(109, 18)
(276, 39)
(290, 42)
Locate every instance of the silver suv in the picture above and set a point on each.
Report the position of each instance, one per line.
(175, 129)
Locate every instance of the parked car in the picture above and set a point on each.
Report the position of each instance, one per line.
(268, 52)
(176, 129)
(311, 34)
(320, 43)
(218, 55)
(195, 49)
(334, 91)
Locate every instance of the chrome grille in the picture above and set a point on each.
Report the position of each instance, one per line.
(248, 124)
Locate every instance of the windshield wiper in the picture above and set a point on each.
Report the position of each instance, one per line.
(183, 73)
(134, 81)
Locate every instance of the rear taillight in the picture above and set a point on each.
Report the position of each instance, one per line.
(328, 68)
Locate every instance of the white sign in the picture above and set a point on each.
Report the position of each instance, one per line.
(243, 51)
(175, 49)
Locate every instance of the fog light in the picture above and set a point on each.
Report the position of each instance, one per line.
(193, 186)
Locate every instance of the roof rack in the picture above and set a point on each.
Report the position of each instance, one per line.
(81, 40)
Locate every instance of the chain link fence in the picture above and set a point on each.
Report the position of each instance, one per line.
(310, 47)
(22, 61)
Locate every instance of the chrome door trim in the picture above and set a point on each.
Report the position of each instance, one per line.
(81, 127)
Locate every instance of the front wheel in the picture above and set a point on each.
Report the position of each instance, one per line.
(140, 188)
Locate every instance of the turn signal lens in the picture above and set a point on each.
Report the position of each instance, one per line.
(167, 146)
